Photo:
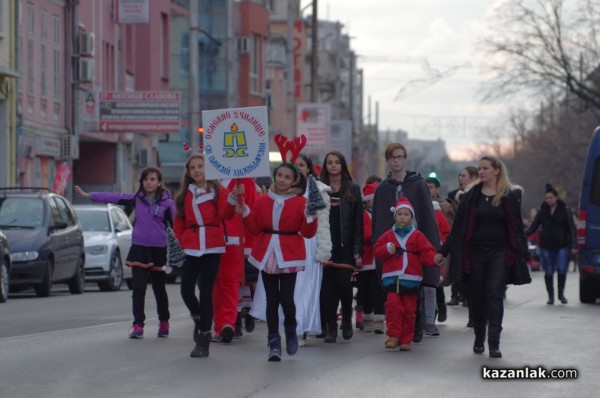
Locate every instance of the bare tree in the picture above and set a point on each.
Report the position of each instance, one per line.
(544, 48)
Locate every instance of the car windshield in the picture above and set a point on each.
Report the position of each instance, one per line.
(21, 212)
(93, 220)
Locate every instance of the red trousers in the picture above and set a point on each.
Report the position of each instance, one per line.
(227, 287)
(400, 315)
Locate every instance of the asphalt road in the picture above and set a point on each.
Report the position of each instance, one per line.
(77, 346)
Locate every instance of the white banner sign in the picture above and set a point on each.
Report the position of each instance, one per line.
(236, 143)
(133, 11)
(314, 121)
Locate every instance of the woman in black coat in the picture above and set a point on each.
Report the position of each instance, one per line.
(346, 226)
(488, 249)
(557, 236)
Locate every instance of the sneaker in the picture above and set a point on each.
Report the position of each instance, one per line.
(431, 330)
(405, 347)
(163, 329)
(136, 332)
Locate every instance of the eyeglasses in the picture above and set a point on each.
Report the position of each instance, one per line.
(399, 157)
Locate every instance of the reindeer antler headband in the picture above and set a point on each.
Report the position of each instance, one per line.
(294, 146)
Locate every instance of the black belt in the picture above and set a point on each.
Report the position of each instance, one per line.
(270, 231)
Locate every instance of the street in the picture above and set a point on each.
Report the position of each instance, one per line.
(77, 346)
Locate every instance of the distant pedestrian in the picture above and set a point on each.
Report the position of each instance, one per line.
(154, 211)
(202, 206)
(557, 240)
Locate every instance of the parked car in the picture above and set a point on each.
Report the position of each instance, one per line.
(4, 267)
(44, 238)
(588, 226)
(107, 240)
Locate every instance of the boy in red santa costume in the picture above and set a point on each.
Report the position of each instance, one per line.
(404, 250)
(231, 271)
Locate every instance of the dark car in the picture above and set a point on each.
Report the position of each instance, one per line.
(4, 267)
(45, 240)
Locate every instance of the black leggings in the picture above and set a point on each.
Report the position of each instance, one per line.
(485, 285)
(202, 271)
(335, 287)
(370, 292)
(279, 289)
(140, 283)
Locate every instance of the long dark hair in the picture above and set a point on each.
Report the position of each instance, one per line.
(147, 171)
(346, 182)
(186, 180)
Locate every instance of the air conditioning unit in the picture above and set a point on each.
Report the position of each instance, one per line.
(69, 148)
(243, 45)
(142, 158)
(86, 44)
(86, 70)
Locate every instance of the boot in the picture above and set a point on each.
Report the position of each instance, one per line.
(562, 278)
(549, 289)
(368, 323)
(291, 340)
(238, 327)
(331, 335)
(274, 347)
(202, 340)
(347, 332)
(378, 327)
(478, 345)
(453, 301)
(442, 312)
(494, 347)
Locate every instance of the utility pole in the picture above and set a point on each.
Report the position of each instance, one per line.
(194, 78)
(314, 59)
(291, 10)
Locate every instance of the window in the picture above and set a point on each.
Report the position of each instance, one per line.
(43, 54)
(164, 46)
(56, 81)
(65, 214)
(595, 183)
(30, 49)
(255, 58)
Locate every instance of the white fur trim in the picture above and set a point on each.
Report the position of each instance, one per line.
(390, 248)
(368, 197)
(324, 245)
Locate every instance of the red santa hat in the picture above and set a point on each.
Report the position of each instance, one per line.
(403, 203)
(368, 191)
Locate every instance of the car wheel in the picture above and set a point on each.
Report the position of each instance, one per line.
(43, 289)
(587, 293)
(3, 280)
(115, 276)
(77, 282)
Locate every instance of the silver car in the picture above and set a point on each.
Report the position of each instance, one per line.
(107, 240)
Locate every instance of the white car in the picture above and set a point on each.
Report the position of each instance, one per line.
(107, 240)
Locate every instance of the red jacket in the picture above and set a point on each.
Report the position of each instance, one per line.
(443, 224)
(283, 213)
(367, 253)
(200, 231)
(408, 265)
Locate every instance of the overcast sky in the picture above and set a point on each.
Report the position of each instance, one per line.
(396, 40)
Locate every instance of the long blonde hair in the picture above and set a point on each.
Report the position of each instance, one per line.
(503, 184)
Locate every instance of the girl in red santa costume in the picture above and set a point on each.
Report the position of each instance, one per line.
(280, 223)
(404, 250)
(201, 208)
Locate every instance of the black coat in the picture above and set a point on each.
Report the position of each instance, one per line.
(351, 222)
(557, 230)
(457, 246)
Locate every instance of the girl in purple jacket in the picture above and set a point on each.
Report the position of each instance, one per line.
(154, 211)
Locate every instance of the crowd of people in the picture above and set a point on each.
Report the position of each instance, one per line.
(294, 249)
